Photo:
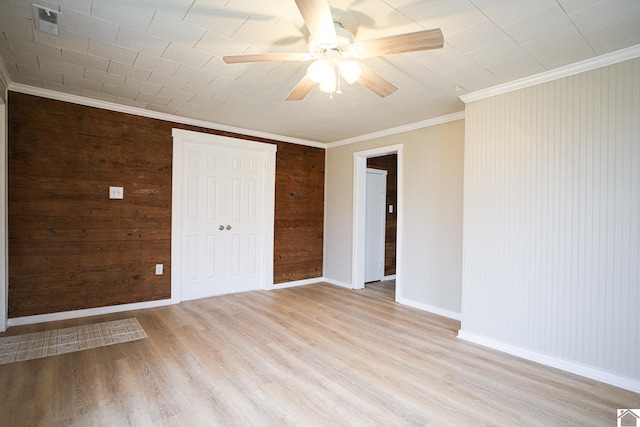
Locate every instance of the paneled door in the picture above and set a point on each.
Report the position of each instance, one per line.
(375, 219)
(222, 230)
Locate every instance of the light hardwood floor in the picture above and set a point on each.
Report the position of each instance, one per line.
(383, 288)
(313, 355)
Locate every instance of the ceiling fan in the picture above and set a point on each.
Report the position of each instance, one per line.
(334, 51)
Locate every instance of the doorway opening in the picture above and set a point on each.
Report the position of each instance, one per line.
(392, 276)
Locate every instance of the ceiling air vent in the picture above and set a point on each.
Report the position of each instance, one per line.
(45, 19)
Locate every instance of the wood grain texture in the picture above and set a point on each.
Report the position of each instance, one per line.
(299, 213)
(301, 89)
(401, 43)
(375, 82)
(312, 355)
(71, 248)
(383, 288)
(389, 163)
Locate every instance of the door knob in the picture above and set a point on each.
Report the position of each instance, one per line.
(221, 227)
(228, 227)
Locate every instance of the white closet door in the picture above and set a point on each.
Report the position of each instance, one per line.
(222, 225)
(375, 225)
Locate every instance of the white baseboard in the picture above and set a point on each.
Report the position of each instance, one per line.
(337, 283)
(74, 314)
(431, 309)
(555, 362)
(389, 277)
(52, 317)
(295, 283)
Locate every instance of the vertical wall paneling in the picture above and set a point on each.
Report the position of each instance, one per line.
(552, 219)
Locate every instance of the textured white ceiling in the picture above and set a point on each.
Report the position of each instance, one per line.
(166, 56)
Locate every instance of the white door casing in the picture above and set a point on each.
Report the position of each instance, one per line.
(229, 183)
(4, 261)
(375, 219)
(359, 204)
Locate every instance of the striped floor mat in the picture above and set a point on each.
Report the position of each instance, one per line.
(36, 345)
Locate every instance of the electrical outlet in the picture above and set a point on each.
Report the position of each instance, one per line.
(116, 192)
(159, 268)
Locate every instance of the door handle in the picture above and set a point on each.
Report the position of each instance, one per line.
(228, 227)
(221, 227)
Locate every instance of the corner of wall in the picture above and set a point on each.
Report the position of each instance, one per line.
(4, 276)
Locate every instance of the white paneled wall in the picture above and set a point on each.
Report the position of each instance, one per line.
(552, 220)
(433, 161)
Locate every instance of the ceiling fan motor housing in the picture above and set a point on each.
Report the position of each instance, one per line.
(339, 50)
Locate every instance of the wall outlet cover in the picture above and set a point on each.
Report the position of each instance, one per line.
(116, 192)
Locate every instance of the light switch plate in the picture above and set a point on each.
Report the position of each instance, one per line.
(159, 268)
(116, 192)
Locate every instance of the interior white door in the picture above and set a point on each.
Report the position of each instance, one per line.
(222, 226)
(375, 220)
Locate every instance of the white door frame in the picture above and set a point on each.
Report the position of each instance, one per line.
(181, 136)
(359, 212)
(4, 228)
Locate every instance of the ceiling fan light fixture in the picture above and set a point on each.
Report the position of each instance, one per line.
(328, 85)
(332, 45)
(319, 71)
(350, 71)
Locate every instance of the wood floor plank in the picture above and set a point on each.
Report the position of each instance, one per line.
(311, 355)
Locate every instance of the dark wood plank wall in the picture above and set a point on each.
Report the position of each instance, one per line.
(389, 163)
(299, 213)
(71, 247)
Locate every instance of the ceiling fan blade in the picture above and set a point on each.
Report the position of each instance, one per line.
(236, 59)
(317, 16)
(375, 82)
(410, 42)
(301, 90)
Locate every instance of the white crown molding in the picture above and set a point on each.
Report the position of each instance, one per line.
(111, 106)
(5, 81)
(555, 74)
(400, 129)
(569, 70)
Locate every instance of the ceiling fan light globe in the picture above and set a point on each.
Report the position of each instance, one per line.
(350, 70)
(328, 85)
(319, 70)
